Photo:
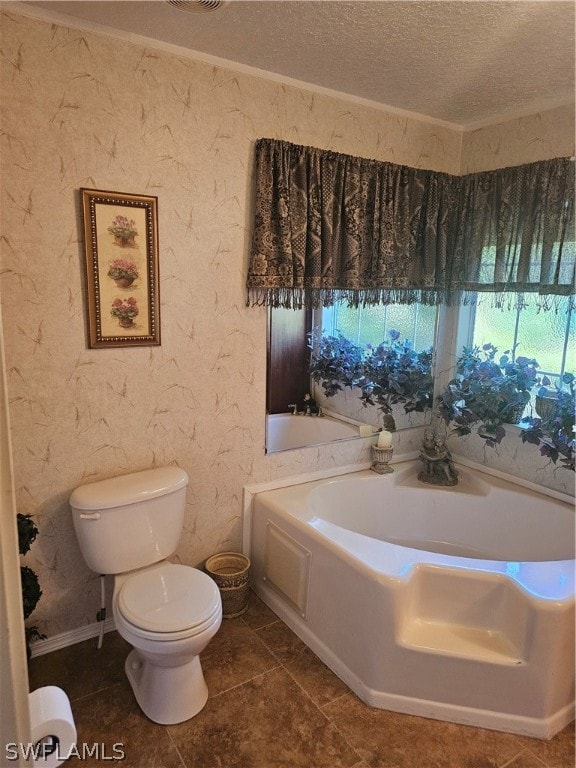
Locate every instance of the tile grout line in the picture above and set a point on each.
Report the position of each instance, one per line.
(184, 763)
(281, 665)
(277, 620)
(340, 696)
(523, 751)
(93, 693)
(244, 682)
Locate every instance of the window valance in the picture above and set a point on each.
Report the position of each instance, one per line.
(331, 226)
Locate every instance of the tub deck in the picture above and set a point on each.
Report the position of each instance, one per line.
(285, 431)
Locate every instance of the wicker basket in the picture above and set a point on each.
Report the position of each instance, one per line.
(231, 572)
(514, 413)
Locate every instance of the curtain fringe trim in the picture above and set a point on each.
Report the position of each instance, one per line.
(314, 298)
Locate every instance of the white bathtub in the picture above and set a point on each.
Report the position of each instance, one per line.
(285, 431)
(451, 603)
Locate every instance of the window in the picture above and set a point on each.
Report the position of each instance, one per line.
(371, 325)
(548, 337)
(374, 364)
(523, 328)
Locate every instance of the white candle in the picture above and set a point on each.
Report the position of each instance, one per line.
(365, 430)
(385, 439)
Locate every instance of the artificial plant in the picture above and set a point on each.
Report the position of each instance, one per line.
(31, 592)
(390, 374)
(487, 391)
(490, 392)
(552, 430)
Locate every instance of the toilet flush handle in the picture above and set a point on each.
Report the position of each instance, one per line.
(90, 515)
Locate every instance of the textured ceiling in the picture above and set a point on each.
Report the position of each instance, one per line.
(460, 61)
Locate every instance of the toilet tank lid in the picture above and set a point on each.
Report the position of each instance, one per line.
(128, 489)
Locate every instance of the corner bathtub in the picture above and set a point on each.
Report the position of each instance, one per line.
(451, 603)
(285, 431)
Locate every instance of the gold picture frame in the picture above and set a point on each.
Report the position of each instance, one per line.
(121, 257)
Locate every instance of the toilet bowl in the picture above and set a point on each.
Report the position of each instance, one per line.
(168, 613)
(127, 527)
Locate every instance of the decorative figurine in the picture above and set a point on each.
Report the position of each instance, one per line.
(439, 468)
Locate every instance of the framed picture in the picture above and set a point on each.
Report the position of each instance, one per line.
(121, 251)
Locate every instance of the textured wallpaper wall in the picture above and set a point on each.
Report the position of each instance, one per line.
(83, 110)
(540, 136)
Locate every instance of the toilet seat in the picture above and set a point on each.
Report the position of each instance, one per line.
(137, 634)
(169, 602)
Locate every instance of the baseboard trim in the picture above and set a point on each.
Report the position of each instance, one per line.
(73, 636)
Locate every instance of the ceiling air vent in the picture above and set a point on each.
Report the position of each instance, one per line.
(198, 6)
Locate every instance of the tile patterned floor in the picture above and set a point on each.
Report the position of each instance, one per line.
(273, 704)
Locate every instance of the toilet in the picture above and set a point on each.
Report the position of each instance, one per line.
(127, 526)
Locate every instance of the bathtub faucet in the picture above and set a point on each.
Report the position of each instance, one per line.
(310, 405)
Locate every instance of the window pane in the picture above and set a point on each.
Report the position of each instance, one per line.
(570, 364)
(425, 327)
(494, 326)
(549, 337)
(346, 321)
(371, 325)
(543, 336)
(401, 317)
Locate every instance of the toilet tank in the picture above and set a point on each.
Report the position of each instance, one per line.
(131, 521)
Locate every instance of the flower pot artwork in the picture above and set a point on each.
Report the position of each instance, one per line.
(124, 231)
(125, 310)
(123, 272)
(124, 282)
(121, 268)
(124, 241)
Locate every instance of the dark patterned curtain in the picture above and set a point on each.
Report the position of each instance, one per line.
(330, 226)
(516, 231)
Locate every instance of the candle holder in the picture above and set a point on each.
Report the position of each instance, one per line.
(381, 458)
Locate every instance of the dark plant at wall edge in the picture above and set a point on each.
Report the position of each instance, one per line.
(387, 375)
(31, 592)
(553, 429)
(492, 392)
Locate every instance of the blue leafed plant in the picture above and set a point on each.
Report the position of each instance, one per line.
(552, 430)
(387, 375)
(487, 391)
(395, 374)
(336, 362)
